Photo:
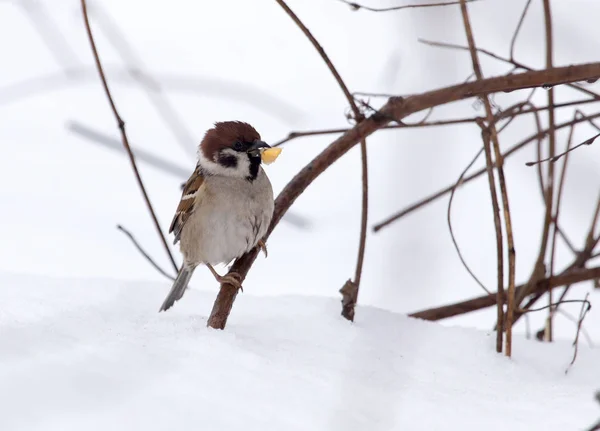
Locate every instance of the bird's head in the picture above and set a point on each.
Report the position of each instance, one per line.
(233, 149)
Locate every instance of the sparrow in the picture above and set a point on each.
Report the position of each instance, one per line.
(226, 205)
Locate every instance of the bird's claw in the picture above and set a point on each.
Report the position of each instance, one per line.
(261, 244)
(232, 278)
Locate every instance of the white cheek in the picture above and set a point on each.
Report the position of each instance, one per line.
(242, 169)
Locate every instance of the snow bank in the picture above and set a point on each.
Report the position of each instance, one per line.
(95, 355)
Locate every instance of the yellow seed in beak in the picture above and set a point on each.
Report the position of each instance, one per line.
(269, 155)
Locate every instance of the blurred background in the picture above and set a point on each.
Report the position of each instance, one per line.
(175, 68)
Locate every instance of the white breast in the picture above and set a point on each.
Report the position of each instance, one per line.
(229, 219)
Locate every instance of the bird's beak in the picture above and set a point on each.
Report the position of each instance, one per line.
(256, 146)
(254, 149)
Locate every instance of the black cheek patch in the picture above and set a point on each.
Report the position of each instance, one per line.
(227, 160)
(254, 165)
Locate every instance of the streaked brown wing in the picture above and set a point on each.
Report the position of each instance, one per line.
(186, 204)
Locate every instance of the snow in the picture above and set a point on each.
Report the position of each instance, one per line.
(95, 354)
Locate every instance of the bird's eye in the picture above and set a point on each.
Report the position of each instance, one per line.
(238, 146)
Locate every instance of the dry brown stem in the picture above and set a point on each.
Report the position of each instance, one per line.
(585, 308)
(557, 157)
(449, 222)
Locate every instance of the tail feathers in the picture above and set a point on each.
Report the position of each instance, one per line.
(179, 287)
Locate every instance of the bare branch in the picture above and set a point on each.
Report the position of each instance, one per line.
(513, 41)
(585, 308)
(449, 222)
(554, 159)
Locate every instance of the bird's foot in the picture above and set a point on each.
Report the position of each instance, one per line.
(232, 278)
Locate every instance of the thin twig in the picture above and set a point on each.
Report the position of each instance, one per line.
(585, 308)
(121, 125)
(513, 40)
(349, 296)
(555, 217)
(356, 6)
(572, 319)
(557, 157)
(449, 221)
(144, 253)
(556, 304)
